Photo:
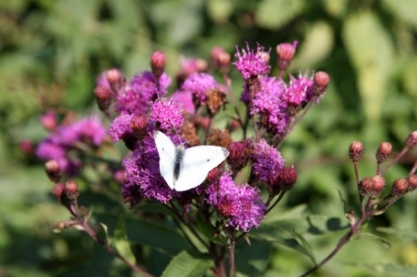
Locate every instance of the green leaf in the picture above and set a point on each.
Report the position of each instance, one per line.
(372, 52)
(122, 243)
(188, 264)
(404, 10)
(390, 269)
(274, 14)
(159, 237)
(252, 259)
(106, 234)
(304, 243)
(365, 235)
(208, 231)
(412, 234)
(156, 236)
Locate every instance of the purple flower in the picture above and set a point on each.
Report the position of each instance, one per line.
(184, 99)
(166, 114)
(141, 90)
(250, 63)
(268, 103)
(120, 127)
(241, 205)
(299, 90)
(59, 144)
(198, 84)
(266, 161)
(89, 130)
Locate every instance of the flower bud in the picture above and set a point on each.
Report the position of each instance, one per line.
(399, 187)
(119, 176)
(52, 170)
(412, 182)
(355, 151)
(60, 225)
(58, 190)
(411, 141)
(321, 80)
(138, 125)
(366, 187)
(26, 146)
(158, 63)
(224, 62)
(114, 76)
(238, 155)
(48, 121)
(384, 150)
(285, 181)
(213, 175)
(214, 55)
(285, 53)
(71, 190)
(103, 97)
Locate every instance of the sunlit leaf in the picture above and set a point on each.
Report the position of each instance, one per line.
(188, 264)
(275, 13)
(122, 243)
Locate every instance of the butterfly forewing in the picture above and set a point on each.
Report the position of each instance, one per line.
(166, 151)
(196, 164)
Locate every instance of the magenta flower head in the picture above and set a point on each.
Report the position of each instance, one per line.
(140, 91)
(267, 102)
(251, 63)
(299, 91)
(266, 161)
(66, 138)
(240, 205)
(166, 115)
(198, 84)
(184, 100)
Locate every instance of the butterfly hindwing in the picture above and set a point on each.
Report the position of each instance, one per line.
(166, 151)
(196, 164)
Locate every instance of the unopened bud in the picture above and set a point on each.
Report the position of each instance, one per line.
(285, 52)
(224, 62)
(138, 125)
(71, 190)
(53, 171)
(26, 146)
(366, 187)
(60, 225)
(239, 155)
(411, 141)
(48, 121)
(114, 76)
(213, 175)
(119, 176)
(384, 150)
(285, 181)
(158, 62)
(399, 187)
(321, 80)
(103, 97)
(355, 151)
(379, 184)
(214, 55)
(412, 182)
(58, 190)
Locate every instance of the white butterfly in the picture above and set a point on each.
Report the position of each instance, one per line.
(184, 169)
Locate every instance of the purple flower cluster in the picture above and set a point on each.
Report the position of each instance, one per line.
(66, 138)
(241, 205)
(266, 161)
(251, 63)
(140, 92)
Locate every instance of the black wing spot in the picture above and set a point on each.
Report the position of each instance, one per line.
(208, 160)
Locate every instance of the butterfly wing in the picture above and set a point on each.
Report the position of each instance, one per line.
(166, 151)
(196, 164)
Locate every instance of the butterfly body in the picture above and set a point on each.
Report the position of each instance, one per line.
(184, 169)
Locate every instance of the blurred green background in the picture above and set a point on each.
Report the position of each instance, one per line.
(52, 51)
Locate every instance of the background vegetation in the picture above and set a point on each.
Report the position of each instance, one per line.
(52, 51)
